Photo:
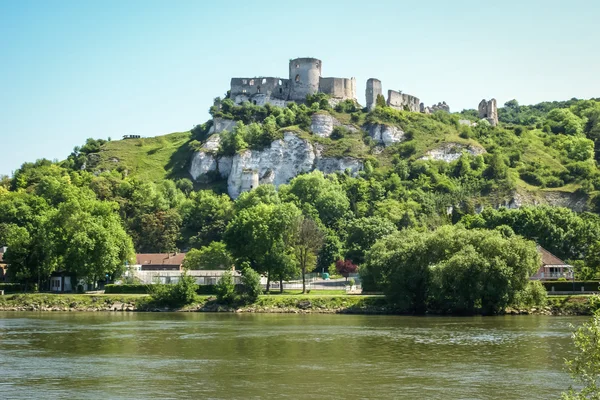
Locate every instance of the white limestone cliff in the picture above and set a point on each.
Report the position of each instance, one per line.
(278, 164)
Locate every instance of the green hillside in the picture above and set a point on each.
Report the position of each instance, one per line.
(154, 159)
(545, 148)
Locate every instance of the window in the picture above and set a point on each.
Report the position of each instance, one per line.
(251, 82)
(279, 83)
(264, 81)
(243, 90)
(297, 65)
(258, 89)
(244, 81)
(280, 90)
(297, 78)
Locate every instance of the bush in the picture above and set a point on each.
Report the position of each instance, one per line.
(225, 289)
(251, 285)
(126, 289)
(534, 294)
(339, 132)
(179, 294)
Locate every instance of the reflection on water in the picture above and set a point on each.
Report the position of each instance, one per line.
(259, 356)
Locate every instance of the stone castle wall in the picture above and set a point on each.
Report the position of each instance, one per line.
(338, 88)
(403, 101)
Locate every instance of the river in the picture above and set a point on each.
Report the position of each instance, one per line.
(265, 356)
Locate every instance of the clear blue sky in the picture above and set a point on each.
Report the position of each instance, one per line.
(70, 70)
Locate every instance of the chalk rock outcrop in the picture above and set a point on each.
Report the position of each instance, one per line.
(329, 165)
(279, 163)
(202, 163)
(206, 160)
(385, 134)
(322, 124)
(452, 151)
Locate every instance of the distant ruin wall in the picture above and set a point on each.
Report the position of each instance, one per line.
(402, 101)
(338, 88)
(489, 110)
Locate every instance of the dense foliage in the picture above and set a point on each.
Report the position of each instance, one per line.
(450, 270)
(585, 365)
(71, 216)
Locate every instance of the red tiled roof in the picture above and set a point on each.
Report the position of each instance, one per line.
(549, 258)
(160, 258)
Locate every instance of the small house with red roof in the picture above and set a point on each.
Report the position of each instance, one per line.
(552, 267)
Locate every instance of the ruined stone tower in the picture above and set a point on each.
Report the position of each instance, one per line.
(373, 90)
(304, 78)
(488, 110)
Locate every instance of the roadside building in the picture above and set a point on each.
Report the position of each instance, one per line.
(552, 267)
(167, 268)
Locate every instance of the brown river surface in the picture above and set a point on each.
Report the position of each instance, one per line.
(286, 356)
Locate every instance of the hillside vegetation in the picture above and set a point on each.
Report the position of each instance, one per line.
(89, 213)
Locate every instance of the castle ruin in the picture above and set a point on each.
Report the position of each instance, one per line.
(304, 79)
(489, 110)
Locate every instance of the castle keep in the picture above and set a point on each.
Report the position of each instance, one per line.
(305, 78)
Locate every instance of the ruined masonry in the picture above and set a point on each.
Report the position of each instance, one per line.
(305, 78)
(488, 110)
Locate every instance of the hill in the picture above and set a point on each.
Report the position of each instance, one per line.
(547, 150)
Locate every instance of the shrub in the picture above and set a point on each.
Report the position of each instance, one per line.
(534, 294)
(179, 294)
(251, 287)
(339, 132)
(225, 289)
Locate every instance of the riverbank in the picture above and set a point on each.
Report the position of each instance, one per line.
(287, 303)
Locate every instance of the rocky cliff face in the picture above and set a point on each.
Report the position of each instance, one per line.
(385, 134)
(277, 164)
(322, 124)
(451, 152)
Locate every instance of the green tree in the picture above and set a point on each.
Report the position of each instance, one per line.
(262, 235)
(225, 289)
(205, 216)
(451, 269)
(213, 256)
(308, 241)
(251, 285)
(363, 233)
(585, 366)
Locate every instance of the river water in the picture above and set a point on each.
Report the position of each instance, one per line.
(289, 356)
